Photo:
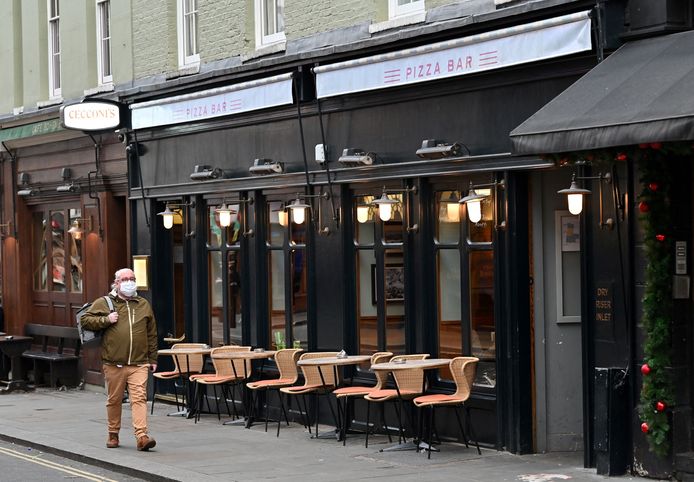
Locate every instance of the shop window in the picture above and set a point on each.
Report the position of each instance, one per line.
(287, 279)
(465, 285)
(380, 277)
(103, 40)
(567, 248)
(57, 255)
(54, 48)
(269, 22)
(225, 269)
(187, 15)
(401, 8)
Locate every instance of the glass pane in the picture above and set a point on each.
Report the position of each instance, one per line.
(448, 218)
(39, 254)
(571, 283)
(366, 301)
(483, 326)
(270, 12)
(214, 230)
(299, 297)
(364, 213)
(75, 255)
(215, 302)
(279, 16)
(106, 57)
(276, 230)
(235, 313)
(191, 33)
(481, 232)
(298, 233)
(58, 250)
(394, 292)
(276, 289)
(235, 231)
(450, 306)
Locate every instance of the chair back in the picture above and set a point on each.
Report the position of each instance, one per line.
(312, 375)
(410, 380)
(191, 363)
(231, 368)
(381, 377)
(464, 369)
(286, 363)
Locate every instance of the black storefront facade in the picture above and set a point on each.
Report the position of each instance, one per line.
(424, 279)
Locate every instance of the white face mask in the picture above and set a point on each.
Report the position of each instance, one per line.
(128, 288)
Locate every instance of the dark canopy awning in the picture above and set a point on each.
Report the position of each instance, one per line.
(644, 92)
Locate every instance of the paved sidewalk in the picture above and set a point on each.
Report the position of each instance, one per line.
(72, 423)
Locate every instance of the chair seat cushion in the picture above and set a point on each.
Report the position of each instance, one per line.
(437, 399)
(387, 394)
(164, 375)
(274, 383)
(353, 391)
(198, 376)
(303, 389)
(216, 380)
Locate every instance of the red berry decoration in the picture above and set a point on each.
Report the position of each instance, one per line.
(644, 427)
(644, 207)
(660, 406)
(660, 237)
(653, 186)
(645, 369)
(621, 156)
(656, 145)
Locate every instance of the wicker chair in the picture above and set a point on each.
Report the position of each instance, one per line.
(409, 385)
(463, 370)
(289, 373)
(184, 366)
(313, 384)
(349, 393)
(227, 374)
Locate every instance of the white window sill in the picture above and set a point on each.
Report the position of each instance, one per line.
(183, 70)
(398, 22)
(18, 110)
(99, 89)
(268, 49)
(48, 103)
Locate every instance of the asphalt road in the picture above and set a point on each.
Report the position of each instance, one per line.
(24, 464)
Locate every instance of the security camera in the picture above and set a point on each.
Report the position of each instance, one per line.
(356, 157)
(263, 167)
(121, 137)
(433, 149)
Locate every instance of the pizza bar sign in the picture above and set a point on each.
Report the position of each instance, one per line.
(91, 116)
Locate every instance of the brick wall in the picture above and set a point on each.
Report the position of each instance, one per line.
(154, 37)
(221, 28)
(309, 17)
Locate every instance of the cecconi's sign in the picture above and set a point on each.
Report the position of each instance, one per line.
(91, 116)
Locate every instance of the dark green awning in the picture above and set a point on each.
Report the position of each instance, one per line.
(30, 130)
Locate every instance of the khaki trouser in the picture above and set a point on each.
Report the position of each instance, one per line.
(136, 379)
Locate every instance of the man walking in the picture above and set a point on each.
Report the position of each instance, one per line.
(128, 352)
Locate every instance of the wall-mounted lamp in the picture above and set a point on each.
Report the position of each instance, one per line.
(385, 205)
(452, 208)
(574, 196)
(226, 215)
(298, 208)
(172, 209)
(77, 229)
(265, 167)
(283, 217)
(473, 201)
(356, 157)
(206, 173)
(141, 270)
(435, 149)
(68, 185)
(25, 190)
(363, 213)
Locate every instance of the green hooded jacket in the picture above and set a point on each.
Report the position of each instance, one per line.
(132, 340)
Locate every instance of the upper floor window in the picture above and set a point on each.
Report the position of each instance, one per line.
(269, 22)
(54, 48)
(103, 39)
(400, 8)
(188, 32)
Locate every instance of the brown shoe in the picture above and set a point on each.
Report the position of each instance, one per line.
(112, 441)
(145, 443)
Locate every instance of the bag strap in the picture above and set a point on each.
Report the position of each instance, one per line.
(110, 303)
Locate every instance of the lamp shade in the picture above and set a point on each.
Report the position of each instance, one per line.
(453, 212)
(283, 217)
(298, 211)
(76, 230)
(473, 203)
(385, 207)
(167, 217)
(362, 213)
(574, 196)
(225, 213)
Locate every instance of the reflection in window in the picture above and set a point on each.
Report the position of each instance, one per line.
(58, 250)
(235, 312)
(483, 327)
(40, 254)
(299, 296)
(214, 271)
(75, 254)
(450, 306)
(448, 222)
(366, 301)
(481, 232)
(276, 285)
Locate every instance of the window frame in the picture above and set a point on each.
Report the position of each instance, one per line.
(412, 8)
(100, 39)
(261, 38)
(185, 60)
(53, 27)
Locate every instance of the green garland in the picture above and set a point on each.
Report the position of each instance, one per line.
(657, 390)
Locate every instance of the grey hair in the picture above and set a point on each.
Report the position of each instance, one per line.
(117, 275)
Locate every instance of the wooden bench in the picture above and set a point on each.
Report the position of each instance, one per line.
(55, 347)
